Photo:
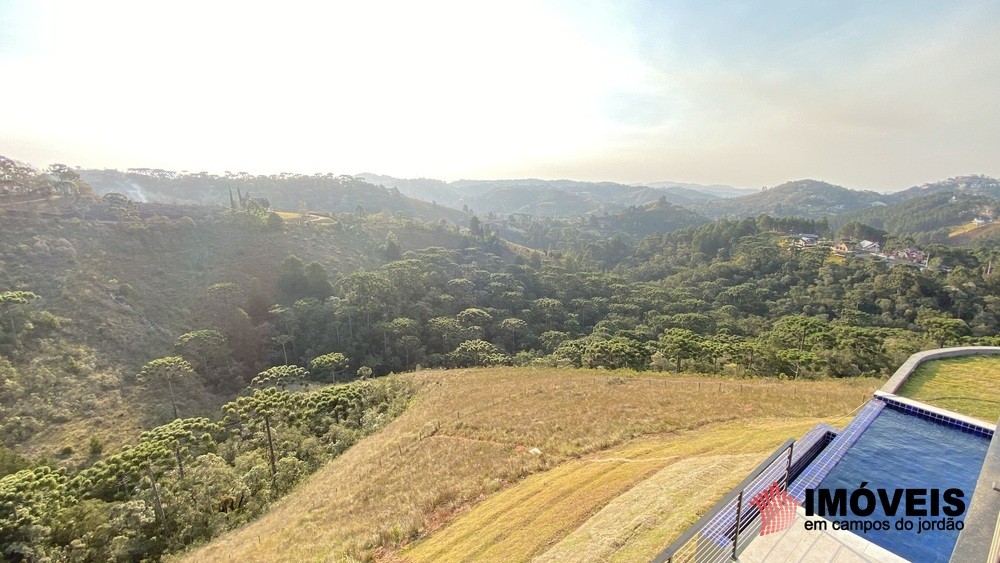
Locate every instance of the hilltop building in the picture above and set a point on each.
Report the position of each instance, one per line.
(807, 240)
(843, 248)
(869, 247)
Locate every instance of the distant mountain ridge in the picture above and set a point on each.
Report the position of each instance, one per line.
(457, 201)
(717, 190)
(557, 198)
(812, 199)
(971, 184)
(322, 193)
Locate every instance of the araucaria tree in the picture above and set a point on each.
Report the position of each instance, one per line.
(171, 370)
(280, 377)
(333, 364)
(679, 344)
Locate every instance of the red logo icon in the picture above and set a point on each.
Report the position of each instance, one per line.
(777, 509)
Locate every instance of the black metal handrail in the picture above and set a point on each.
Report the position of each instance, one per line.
(741, 523)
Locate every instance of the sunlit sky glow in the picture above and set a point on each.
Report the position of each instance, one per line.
(878, 95)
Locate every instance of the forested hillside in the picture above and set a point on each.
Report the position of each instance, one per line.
(597, 237)
(546, 198)
(928, 218)
(969, 185)
(323, 193)
(146, 346)
(716, 190)
(801, 198)
(114, 290)
(476, 281)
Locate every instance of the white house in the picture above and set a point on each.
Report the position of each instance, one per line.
(869, 246)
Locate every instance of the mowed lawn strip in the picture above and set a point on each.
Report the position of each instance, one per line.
(513, 524)
(592, 508)
(469, 434)
(968, 385)
(640, 523)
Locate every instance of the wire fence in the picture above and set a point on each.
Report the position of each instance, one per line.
(729, 527)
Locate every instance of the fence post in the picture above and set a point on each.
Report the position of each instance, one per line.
(739, 521)
(788, 467)
(738, 493)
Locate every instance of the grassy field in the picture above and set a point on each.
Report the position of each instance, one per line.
(308, 218)
(967, 385)
(624, 504)
(964, 228)
(456, 476)
(971, 232)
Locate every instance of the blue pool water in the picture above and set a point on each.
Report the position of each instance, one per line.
(902, 450)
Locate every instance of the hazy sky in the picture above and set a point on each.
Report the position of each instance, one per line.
(876, 94)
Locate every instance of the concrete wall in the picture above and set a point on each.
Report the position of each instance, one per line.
(980, 539)
(914, 361)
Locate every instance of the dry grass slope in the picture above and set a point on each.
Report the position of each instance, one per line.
(625, 503)
(967, 385)
(468, 435)
(972, 233)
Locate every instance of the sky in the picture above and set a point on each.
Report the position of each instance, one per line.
(872, 95)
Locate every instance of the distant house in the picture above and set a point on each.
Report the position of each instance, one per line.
(913, 255)
(807, 240)
(869, 247)
(980, 221)
(843, 247)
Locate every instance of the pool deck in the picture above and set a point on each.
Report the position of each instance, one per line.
(796, 544)
(980, 540)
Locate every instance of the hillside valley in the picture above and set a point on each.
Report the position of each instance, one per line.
(325, 193)
(114, 295)
(499, 282)
(259, 357)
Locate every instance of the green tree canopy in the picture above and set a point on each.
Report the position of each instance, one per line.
(333, 364)
(280, 377)
(679, 344)
(169, 370)
(473, 353)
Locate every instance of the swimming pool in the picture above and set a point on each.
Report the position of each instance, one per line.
(901, 450)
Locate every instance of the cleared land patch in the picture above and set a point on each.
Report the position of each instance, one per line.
(306, 218)
(966, 385)
(469, 434)
(971, 232)
(964, 228)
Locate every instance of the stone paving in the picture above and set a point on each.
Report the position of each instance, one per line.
(797, 544)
